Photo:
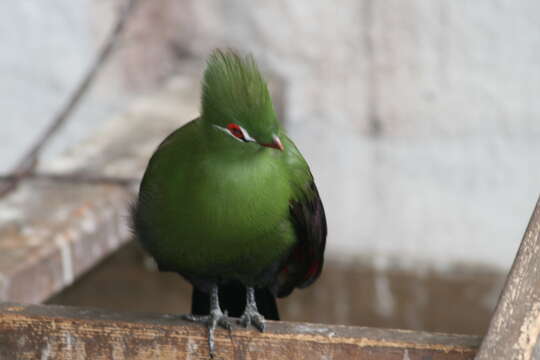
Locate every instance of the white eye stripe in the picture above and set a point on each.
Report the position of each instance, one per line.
(246, 134)
(226, 131)
(247, 137)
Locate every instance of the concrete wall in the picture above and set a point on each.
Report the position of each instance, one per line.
(419, 118)
(44, 49)
(47, 46)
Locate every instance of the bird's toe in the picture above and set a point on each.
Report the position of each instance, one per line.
(194, 318)
(224, 322)
(252, 317)
(258, 322)
(216, 318)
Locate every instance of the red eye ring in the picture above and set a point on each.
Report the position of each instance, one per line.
(236, 131)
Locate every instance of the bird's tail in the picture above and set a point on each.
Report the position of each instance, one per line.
(232, 298)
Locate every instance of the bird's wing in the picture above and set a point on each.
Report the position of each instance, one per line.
(304, 264)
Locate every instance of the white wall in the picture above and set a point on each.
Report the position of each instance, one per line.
(46, 48)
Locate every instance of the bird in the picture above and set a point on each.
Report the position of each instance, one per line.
(228, 202)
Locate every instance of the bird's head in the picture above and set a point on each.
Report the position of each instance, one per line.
(236, 104)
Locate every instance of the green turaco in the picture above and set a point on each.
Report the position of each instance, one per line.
(228, 202)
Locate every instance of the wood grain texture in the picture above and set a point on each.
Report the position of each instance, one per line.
(56, 332)
(514, 330)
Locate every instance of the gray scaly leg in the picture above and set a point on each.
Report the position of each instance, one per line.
(251, 315)
(216, 317)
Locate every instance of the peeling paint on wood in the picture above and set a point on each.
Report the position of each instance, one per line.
(406, 355)
(67, 333)
(65, 252)
(4, 283)
(529, 332)
(514, 332)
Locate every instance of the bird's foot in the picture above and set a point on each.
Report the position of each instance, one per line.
(252, 317)
(216, 317)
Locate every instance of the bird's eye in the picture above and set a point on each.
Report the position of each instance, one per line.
(236, 131)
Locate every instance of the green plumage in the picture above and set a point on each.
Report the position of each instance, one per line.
(216, 208)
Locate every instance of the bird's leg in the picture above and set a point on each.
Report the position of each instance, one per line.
(251, 315)
(216, 317)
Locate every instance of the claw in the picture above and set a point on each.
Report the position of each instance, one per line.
(224, 322)
(252, 317)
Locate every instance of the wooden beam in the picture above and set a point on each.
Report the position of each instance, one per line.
(56, 332)
(514, 330)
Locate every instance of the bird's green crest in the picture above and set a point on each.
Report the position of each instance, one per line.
(234, 91)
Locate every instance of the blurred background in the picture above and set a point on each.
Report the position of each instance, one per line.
(420, 120)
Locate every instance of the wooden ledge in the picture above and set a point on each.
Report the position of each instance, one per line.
(56, 332)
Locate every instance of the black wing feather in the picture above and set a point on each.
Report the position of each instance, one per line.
(304, 264)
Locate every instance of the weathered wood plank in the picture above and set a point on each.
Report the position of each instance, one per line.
(514, 330)
(55, 332)
(52, 231)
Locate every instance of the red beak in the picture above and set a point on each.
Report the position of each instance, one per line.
(276, 144)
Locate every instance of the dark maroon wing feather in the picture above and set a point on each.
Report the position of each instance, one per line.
(304, 264)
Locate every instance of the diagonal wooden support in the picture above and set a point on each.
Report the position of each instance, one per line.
(56, 332)
(514, 331)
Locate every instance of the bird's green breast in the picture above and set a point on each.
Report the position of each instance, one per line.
(210, 213)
